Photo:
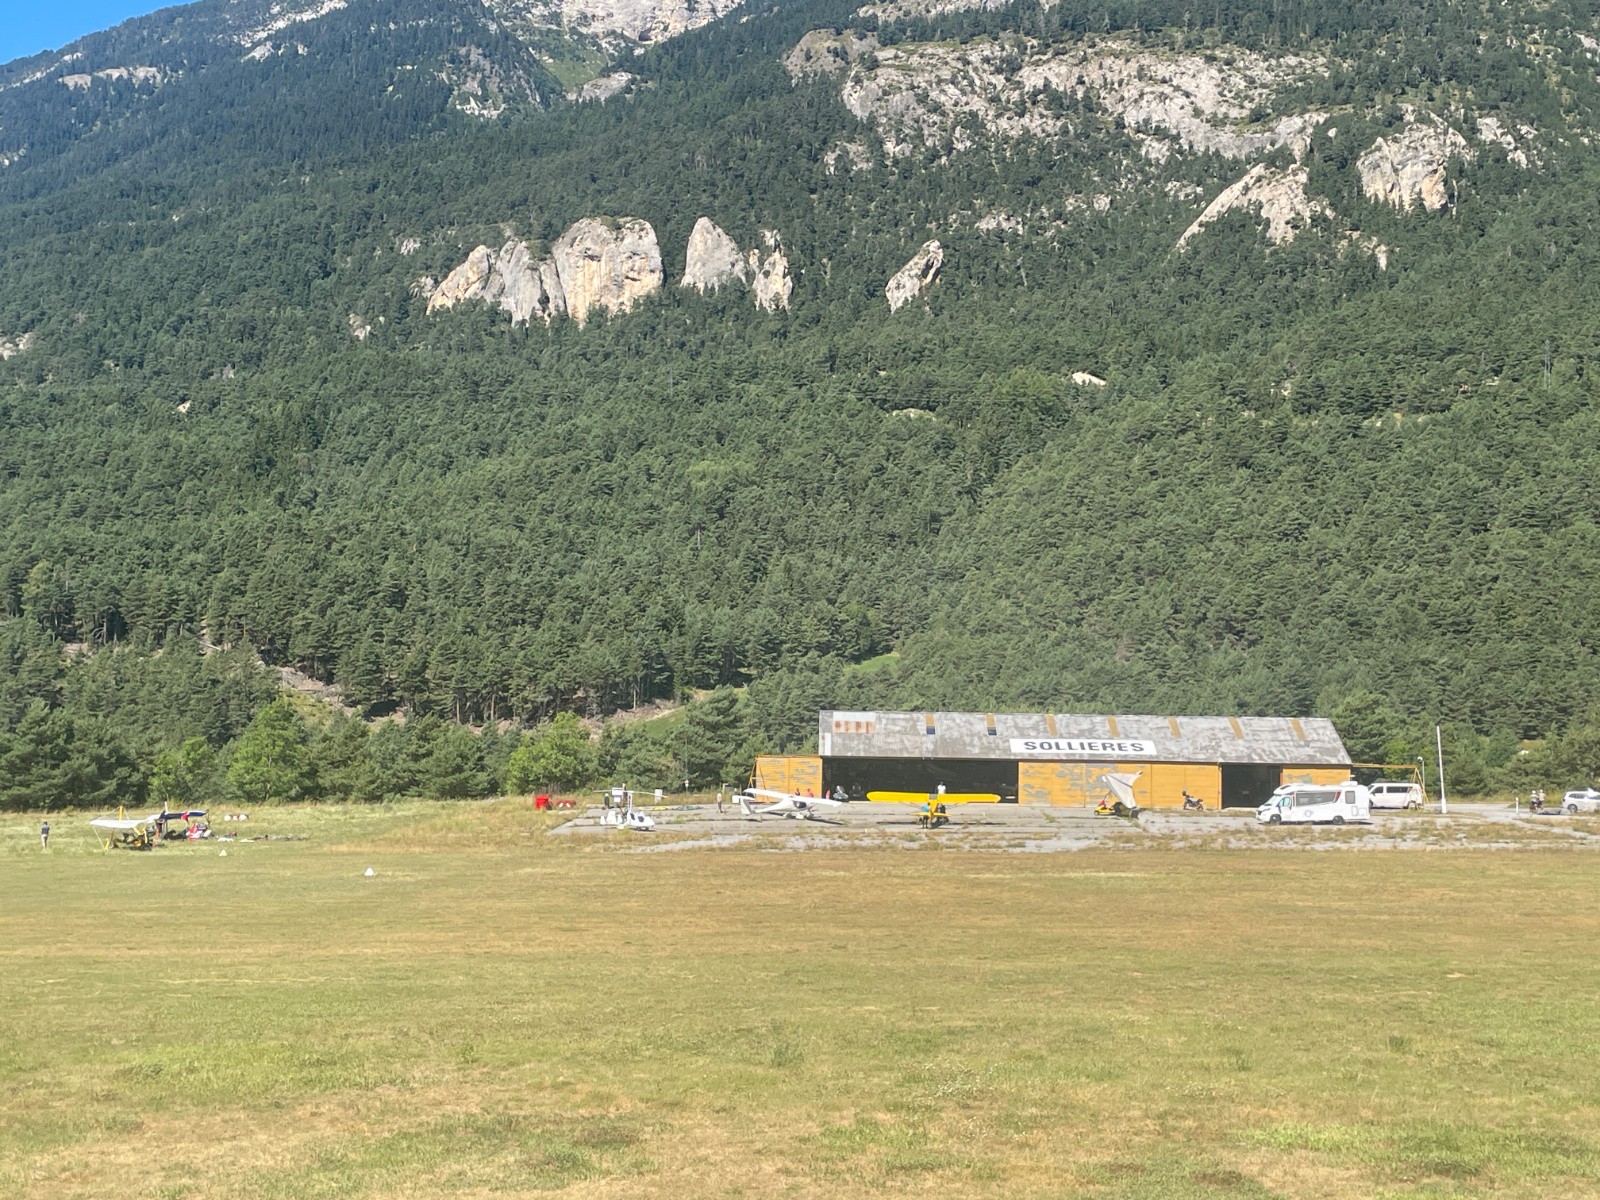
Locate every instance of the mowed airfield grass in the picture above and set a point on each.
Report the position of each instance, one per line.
(502, 1013)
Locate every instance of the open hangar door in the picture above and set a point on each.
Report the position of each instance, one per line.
(858, 776)
(1248, 785)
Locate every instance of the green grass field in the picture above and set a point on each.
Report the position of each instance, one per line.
(501, 1013)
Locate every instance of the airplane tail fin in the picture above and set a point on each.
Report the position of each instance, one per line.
(744, 805)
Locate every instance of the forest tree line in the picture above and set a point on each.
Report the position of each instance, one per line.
(1307, 479)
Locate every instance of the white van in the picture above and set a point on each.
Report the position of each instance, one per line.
(1388, 793)
(1307, 803)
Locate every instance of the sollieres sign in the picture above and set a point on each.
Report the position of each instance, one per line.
(1107, 748)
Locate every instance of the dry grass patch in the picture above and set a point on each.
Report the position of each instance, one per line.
(497, 1012)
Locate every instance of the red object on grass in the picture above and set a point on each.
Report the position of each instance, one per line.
(541, 801)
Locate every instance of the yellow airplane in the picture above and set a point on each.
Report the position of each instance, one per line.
(933, 804)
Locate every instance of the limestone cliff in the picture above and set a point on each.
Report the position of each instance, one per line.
(1279, 196)
(824, 52)
(712, 258)
(512, 280)
(1409, 168)
(605, 266)
(603, 87)
(922, 95)
(909, 281)
(770, 276)
(613, 22)
(595, 264)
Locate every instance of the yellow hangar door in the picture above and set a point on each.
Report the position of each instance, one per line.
(797, 774)
(1169, 781)
(1078, 784)
(1316, 775)
(1081, 784)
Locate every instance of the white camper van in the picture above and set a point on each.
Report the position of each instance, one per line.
(1308, 803)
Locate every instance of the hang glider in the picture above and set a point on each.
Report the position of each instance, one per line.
(144, 832)
(1121, 802)
(133, 832)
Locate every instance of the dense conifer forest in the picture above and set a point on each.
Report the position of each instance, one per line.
(1311, 483)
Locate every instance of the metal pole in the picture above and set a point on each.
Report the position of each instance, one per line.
(1438, 742)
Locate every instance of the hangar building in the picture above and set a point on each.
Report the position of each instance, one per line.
(1053, 758)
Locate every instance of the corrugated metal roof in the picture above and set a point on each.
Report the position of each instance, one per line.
(1283, 741)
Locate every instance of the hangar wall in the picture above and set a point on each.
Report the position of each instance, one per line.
(796, 774)
(1076, 784)
(1317, 775)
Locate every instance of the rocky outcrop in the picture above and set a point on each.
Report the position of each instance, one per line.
(770, 276)
(511, 280)
(712, 258)
(10, 347)
(1410, 167)
(602, 88)
(825, 52)
(595, 264)
(1494, 132)
(613, 22)
(285, 15)
(78, 83)
(1366, 244)
(484, 86)
(1085, 379)
(939, 95)
(910, 280)
(606, 266)
(853, 156)
(1279, 196)
(907, 10)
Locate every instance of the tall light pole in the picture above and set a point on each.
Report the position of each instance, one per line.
(1438, 743)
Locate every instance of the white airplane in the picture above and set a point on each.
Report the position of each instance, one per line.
(785, 804)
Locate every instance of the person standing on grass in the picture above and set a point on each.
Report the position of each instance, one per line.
(44, 834)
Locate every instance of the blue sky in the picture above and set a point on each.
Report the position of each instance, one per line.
(29, 26)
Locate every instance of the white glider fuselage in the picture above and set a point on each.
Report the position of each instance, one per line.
(785, 804)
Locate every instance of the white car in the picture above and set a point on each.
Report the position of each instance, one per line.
(1389, 793)
(1587, 801)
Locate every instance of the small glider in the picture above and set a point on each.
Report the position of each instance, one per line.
(785, 804)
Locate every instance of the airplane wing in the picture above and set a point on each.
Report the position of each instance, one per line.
(120, 824)
(924, 797)
(770, 794)
(791, 801)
